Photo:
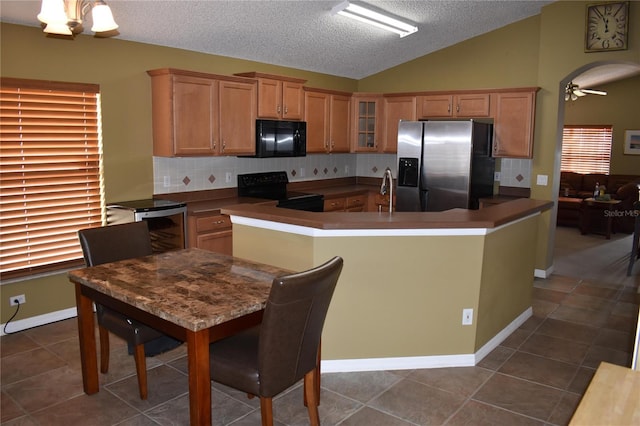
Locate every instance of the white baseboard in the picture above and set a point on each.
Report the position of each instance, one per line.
(436, 361)
(543, 273)
(340, 365)
(39, 320)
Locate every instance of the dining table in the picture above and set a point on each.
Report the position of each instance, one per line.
(193, 295)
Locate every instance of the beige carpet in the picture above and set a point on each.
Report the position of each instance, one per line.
(593, 257)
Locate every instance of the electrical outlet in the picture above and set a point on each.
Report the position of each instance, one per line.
(542, 180)
(302, 171)
(467, 316)
(496, 176)
(228, 177)
(17, 300)
(346, 170)
(167, 181)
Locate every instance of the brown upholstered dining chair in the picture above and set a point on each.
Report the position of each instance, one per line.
(267, 359)
(110, 244)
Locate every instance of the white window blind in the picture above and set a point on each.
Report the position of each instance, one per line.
(50, 173)
(586, 149)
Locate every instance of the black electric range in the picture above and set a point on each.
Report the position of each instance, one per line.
(273, 186)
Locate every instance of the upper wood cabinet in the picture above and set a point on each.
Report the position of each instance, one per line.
(198, 114)
(470, 105)
(367, 122)
(237, 117)
(279, 98)
(514, 123)
(327, 116)
(396, 108)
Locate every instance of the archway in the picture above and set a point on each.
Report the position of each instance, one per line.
(595, 73)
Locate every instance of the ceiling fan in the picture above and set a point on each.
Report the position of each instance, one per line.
(573, 92)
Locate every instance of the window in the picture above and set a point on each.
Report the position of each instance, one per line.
(586, 149)
(50, 173)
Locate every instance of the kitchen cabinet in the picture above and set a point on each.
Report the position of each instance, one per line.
(380, 203)
(514, 123)
(346, 203)
(279, 98)
(327, 117)
(367, 125)
(356, 203)
(334, 204)
(211, 232)
(198, 114)
(396, 108)
(448, 105)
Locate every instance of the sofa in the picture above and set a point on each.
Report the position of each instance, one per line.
(575, 187)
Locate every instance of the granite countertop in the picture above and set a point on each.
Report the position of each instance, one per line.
(489, 217)
(193, 288)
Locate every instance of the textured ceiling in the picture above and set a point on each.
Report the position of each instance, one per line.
(301, 34)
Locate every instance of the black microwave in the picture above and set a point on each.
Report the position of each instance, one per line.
(281, 138)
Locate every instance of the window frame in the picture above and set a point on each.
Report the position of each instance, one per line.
(586, 148)
(37, 116)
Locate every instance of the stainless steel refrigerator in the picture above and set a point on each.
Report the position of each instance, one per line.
(443, 164)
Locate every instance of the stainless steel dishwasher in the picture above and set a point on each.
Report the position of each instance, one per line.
(167, 221)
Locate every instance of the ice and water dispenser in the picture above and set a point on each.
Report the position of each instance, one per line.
(409, 196)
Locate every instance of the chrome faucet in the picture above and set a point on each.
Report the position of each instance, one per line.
(387, 183)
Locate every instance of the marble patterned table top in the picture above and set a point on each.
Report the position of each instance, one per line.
(193, 288)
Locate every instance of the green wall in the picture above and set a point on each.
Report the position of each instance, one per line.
(541, 51)
(507, 57)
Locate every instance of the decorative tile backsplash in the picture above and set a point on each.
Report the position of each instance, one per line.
(515, 172)
(201, 173)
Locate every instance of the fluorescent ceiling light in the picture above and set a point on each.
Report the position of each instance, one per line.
(371, 17)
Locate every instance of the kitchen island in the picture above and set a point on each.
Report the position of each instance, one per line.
(407, 277)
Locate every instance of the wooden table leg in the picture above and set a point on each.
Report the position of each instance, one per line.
(87, 336)
(199, 378)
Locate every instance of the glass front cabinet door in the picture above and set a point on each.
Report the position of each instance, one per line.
(367, 126)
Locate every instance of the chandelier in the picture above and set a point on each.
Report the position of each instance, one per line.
(64, 17)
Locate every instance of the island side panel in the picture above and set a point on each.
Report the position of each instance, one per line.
(283, 249)
(402, 296)
(507, 277)
(398, 296)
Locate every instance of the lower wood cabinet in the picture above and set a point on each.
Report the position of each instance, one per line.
(350, 203)
(356, 203)
(334, 204)
(212, 232)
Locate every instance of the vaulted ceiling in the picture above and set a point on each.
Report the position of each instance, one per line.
(301, 34)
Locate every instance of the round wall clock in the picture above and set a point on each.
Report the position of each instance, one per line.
(607, 26)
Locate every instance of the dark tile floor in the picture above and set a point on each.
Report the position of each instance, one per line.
(536, 376)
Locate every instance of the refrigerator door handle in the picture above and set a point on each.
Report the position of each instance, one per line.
(424, 197)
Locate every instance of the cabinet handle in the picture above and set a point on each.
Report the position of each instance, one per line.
(449, 108)
(286, 110)
(224, 145)
(218, 222)
(458, 108)
(279, 109)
